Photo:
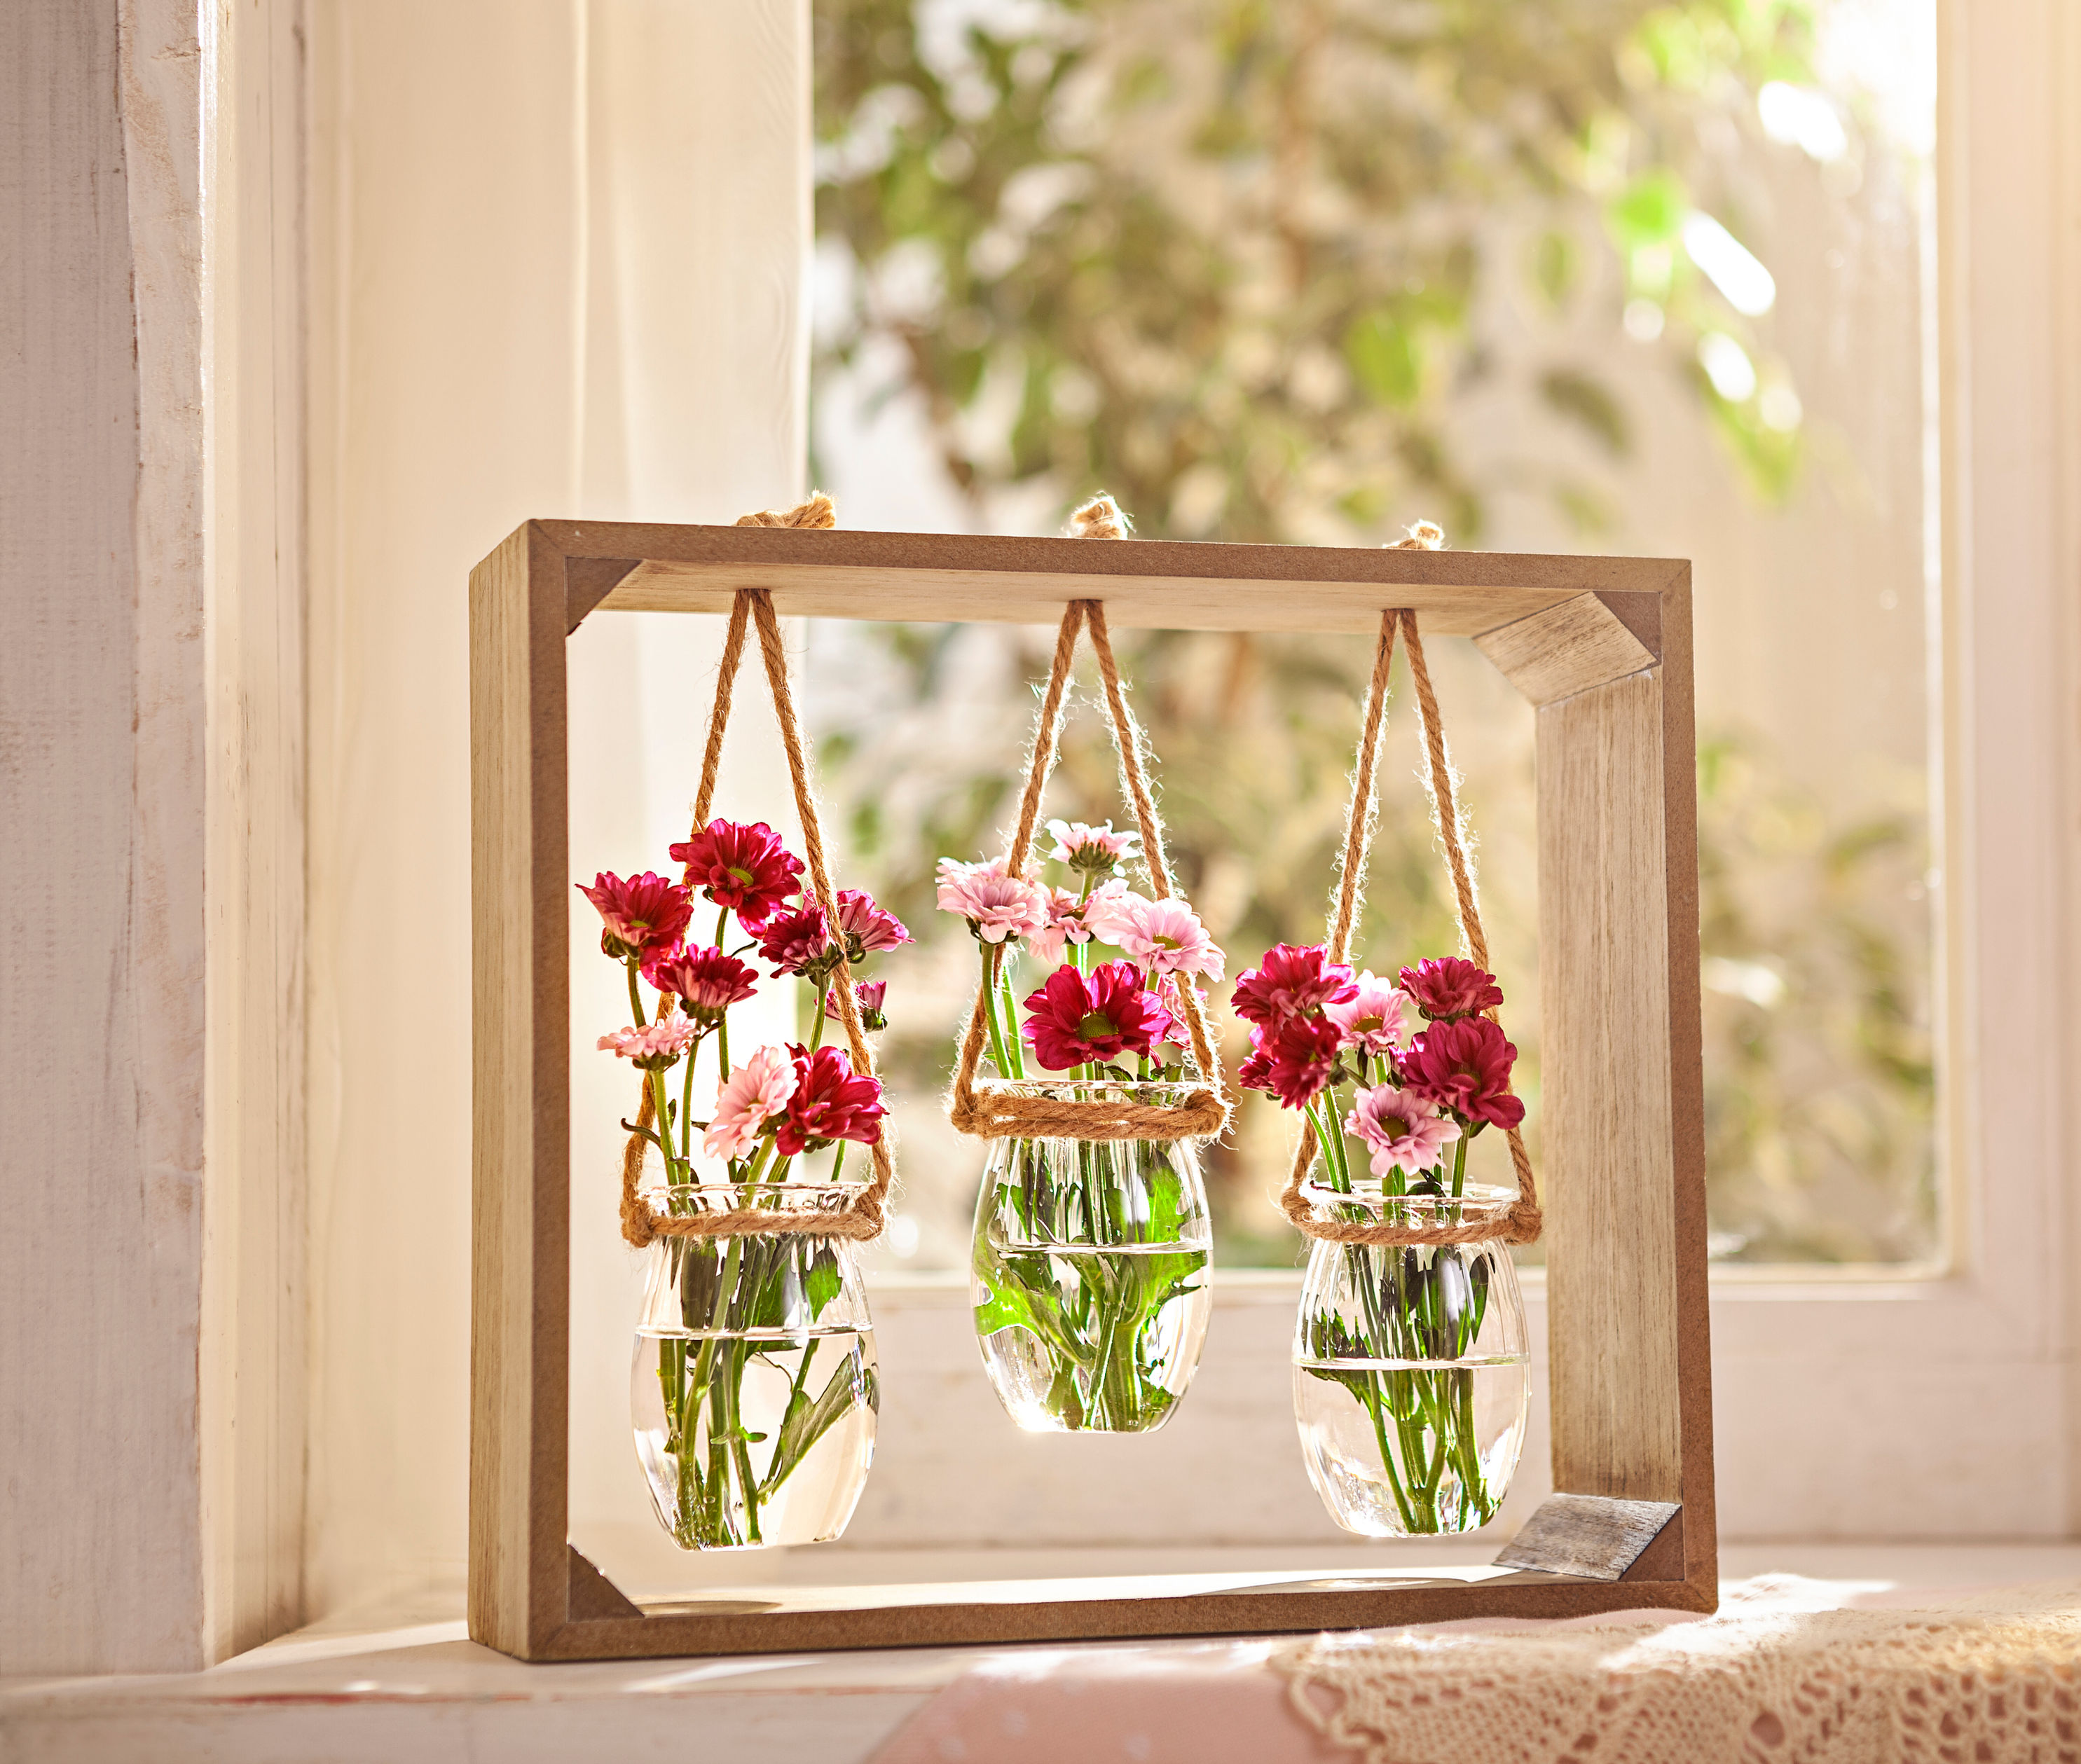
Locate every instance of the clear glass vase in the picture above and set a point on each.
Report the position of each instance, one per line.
(1410, 1373)
(754, 1394)
(1089, 1271)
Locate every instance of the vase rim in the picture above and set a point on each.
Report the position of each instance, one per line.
(1476, 1201)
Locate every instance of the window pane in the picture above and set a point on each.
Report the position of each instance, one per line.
(1582, 276)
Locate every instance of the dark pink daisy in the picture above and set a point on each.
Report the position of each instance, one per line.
(1464, 1066)
(747, 869)
(830, 1102)
(705, 980)
(642, 913)
(1293, 981)
(1073, 1018)
(1447, 986)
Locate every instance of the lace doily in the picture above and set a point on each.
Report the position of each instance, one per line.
(1991, 1680)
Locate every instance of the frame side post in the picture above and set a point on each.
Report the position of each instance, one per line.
(1604, 962)
(1686, 1039)
(519, 1272)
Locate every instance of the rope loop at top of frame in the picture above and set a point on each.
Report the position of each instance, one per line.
(999, 1111)
(861, 1215)
(1523, 1221)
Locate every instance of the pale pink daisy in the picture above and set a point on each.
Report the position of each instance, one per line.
(997, 907)
(655, 1047)
(1067, 919)
(1084, 847)
(1376, 1019)
(1164, 936)
(1403, 1131)
(751, 1096)
(1111, 912)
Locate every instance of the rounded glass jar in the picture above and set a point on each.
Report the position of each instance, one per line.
(1411, 1377)
(754, 1394)
(1089, 1271)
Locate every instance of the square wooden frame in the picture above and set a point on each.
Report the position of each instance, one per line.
(1600, 645)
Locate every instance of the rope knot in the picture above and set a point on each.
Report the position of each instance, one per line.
(1100, 518)
(1425, 535)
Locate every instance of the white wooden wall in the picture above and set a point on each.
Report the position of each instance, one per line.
(101, 831)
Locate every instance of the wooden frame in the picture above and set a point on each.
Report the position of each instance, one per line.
(1600, 645)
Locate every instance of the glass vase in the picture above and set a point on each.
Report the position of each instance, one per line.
(1410, 1374)
(754, 1394)
(1089, 1271)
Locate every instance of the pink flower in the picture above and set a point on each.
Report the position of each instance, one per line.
(705, 980)
(1097, 849)
(867, 927)
(868, 994)
(799, 943)
(1464, 1066)
(1067, 916)
(997, 907)
(1074, 1020)
(747, 869)
(1292, 1060)
(655, 1048)
(1164, 936)
(641, 913)
(1292, 981)
(1374, 1019)
(1112, 912)
(1448, 987)
(752, 1095)
(1404, 1131)
(830, 1102)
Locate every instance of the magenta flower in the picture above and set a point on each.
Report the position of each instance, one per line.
(641, 913)
(997, 907)
(1446, 987)
(1403, 1131)
(1164, 936)
(1074, 1019)
(830, 1102)
(1096, 849)
(655, 1048)
(705, 980)
(799, 943)
(867, 928)
(1292, 1060)
(1292, 981)
(1374, 1019)
(747, 869)
(1464, 1066)
(752, 1096)
(868, 994)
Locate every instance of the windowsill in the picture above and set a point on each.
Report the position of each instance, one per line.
(405, 1683)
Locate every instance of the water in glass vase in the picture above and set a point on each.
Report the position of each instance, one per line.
(1088, 1273)
(1082, 1339)
(751, 1440)
(1411, 1374)
(754, 1394)
(1398, 1448)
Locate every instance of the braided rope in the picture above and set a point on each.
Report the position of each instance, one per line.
(1521, 1220)
(863, 1214)
(1001, 1110)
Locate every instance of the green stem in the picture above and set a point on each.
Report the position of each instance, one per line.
(636, 995)
(823, 1004)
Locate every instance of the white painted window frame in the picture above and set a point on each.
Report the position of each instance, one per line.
(1862, 1402)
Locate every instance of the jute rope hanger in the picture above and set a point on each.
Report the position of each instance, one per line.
(861, 1215)
(1522, 1221)
(995, 1110)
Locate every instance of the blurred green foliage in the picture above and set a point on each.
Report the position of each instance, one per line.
(1234, 260)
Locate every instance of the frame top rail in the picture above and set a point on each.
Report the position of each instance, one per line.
(1171, 585)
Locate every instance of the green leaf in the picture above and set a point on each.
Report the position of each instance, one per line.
(824, 1281)
(1583, 402)
(1384, 358)
(1651, 210)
